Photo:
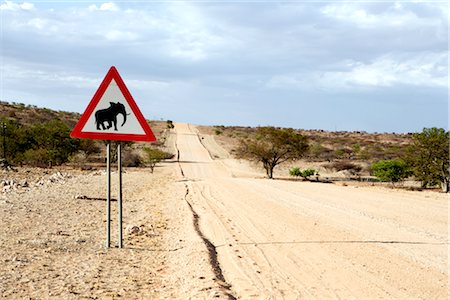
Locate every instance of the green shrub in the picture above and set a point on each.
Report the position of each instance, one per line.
(428, 157)
(390, 170)
(155, 156)
(38, 144)
(304, 174)
(37, 157)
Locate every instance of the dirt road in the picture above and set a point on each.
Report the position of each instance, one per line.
(278, 239)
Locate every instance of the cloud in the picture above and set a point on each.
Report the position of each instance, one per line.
(39, 75)
(38, 23)
(382, 15)
(107, 6)
(9, 5)
(426, 70)
(117, 35)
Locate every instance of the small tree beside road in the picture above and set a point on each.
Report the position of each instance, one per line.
(155, 156)
(273, 146)
(394, 170)
(305, 174)
(428, 157)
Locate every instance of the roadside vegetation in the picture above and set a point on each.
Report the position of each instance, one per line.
(388, 157)
(154, 156)
(394, 170)
(305, 174)
(273, 146)
(40, 137)
(428, 157)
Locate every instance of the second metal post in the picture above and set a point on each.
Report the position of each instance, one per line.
(119, 201)
(108, 194)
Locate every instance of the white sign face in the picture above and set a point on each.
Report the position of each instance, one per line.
(113, 114)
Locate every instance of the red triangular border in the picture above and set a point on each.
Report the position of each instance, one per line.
(77, 133)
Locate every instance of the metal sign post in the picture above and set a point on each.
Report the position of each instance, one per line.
(108, 194)
(119, 201)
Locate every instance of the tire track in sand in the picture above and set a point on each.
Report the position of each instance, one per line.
(212, 252)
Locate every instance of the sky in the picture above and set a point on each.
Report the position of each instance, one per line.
(378, 66)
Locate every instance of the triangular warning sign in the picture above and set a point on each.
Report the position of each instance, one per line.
(112, 114)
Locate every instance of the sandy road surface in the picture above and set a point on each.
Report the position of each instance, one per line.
(280, 239)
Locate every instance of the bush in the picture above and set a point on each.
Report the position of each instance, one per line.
(37, 157)
(304, 174)
(154, 156)
(131, 159)
(38, 144)
(428, 157)
(390, 170)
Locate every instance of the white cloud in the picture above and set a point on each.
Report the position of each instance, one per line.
(38, 23)
(421, 70)
(190, 35)
(107, 6)
(396, 16)
(9, 5)
(44, 76)
(118, 35)
(429, 69)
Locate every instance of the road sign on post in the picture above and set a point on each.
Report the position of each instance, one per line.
(112, 114)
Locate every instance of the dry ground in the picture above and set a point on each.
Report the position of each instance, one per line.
(53, 245)
(205, 224)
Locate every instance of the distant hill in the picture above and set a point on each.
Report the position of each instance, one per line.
(31, 114)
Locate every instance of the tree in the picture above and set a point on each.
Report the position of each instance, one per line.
(154, 156)
(170, 124)
(428, 157)
(273, 146)
(393, 170)
(50, 143)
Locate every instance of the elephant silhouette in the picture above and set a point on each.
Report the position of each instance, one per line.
(109, 115)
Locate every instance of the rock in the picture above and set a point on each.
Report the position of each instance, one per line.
(24, 183)
(133, 230)
(4, 163)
